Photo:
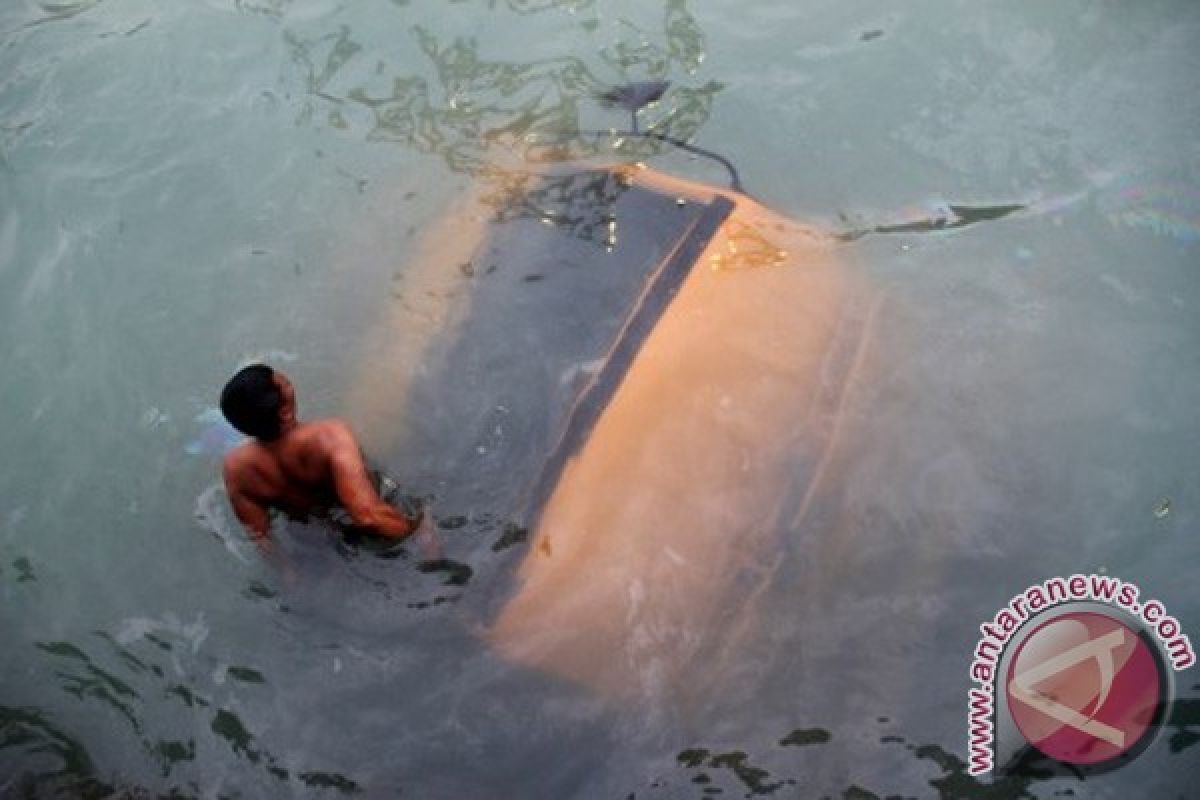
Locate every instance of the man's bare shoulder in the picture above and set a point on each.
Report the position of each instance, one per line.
(331, 430)
(242, 459)
(330, 436)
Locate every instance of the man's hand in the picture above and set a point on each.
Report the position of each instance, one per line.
(263, 542)
(427, 540)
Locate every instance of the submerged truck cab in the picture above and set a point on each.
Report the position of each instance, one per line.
(649, 374)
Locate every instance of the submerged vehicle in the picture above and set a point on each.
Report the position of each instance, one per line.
(695, 444)
(649, 373)
(652, 375)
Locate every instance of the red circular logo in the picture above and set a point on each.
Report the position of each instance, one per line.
(1084, 688)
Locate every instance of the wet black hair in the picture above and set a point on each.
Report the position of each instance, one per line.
(251, 402)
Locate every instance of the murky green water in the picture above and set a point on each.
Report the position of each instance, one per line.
(187, 185)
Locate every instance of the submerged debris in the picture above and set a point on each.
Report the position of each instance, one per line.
(634, 96)
(746, 248)
(1162, 508)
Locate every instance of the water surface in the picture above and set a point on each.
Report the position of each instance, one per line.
(187, 186)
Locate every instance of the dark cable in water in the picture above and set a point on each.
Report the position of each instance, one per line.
(955, 216)
(633, 97)
(735, 180)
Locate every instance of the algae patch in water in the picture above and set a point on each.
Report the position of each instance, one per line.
(451, 523)
(457, 573)
(1186, 719)
(329, 780)
(24, 570)
(755, 779)
(246, 675)
(190, 698)
(858, 793)
(803, 736)
(229, 727)
(512, 535)
(171, 752)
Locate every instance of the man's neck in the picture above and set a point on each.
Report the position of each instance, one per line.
(285, 431)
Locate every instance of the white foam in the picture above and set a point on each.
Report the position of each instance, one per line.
(214, 515)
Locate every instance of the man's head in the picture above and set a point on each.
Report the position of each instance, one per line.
(259, 402)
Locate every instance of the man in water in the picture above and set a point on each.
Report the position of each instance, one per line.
(296, 467)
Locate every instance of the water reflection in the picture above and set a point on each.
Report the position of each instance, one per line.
(52, 761)
(524, 6)
(1166, 209)
(582, 204)
(493, 119)
(268, 8)
(490, 118)
(129, 681)
(704, 772)
(87, 680)
(58, 12)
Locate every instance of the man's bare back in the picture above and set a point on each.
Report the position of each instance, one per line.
(296, 467)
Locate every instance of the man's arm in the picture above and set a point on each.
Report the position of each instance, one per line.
(355, 491)
(249, 512)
